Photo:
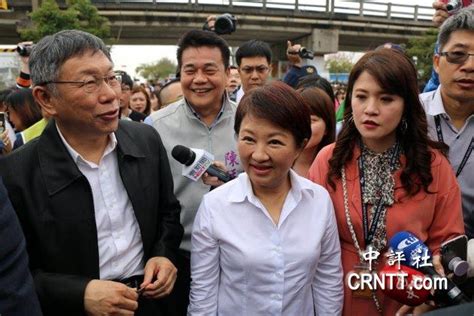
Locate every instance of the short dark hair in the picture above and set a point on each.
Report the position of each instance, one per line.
(126, 79)
(279, 104)
(316, 81)
(233, 67)
(320, 104)
(166, 85)
(25, 106)
(198, 38)
(253, 48)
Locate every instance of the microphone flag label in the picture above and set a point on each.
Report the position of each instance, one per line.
(202, 161)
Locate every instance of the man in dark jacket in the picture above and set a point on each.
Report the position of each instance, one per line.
(94, 196)
(17, 293)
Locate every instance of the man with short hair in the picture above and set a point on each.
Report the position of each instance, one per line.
(254, 59)
(233, 83)
(93, 193)
(450, 108)
(125, 111)
(170, 92)
(203, 119)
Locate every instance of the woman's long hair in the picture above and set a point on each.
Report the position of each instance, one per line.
(396, 74)
(320, 104)
(22, 102)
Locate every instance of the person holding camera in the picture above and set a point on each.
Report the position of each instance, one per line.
(254, 59)
(295, 54)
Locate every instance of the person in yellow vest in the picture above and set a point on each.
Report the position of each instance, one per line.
(3, 4)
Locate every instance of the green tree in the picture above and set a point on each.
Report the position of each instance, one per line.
(157, 70)
(80, 15)
(421, 51)
(339, 63)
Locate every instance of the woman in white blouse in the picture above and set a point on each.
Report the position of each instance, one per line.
(266, 243)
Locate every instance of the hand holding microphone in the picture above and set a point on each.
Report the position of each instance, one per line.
(197, 162)
(412, 249)
(211, 180)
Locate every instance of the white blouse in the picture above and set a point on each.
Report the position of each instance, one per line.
(244, 264)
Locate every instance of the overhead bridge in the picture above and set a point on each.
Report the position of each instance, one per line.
(324, 25)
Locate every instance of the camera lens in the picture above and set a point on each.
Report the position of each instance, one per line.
(24, 51)
(225, 24)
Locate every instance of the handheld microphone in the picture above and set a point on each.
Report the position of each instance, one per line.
(404, 285)
(196, 162)
(411, 246)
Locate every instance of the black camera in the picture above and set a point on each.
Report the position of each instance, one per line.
(224, 24)
(454, 5)
(305, 53)
(24, 50)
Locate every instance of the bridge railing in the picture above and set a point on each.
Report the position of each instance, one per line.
(351, 7)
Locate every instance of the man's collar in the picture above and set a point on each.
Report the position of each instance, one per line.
(111, 145)
(436, 105)
(57, 164)
(225, 107)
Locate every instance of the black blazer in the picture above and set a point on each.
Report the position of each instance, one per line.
(54, 203)
(17, 293)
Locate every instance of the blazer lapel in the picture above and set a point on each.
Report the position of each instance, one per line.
(69, 200)
(129, 156)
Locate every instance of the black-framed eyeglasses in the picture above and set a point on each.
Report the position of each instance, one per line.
(92, 85)
(456, 57)
(259, 69)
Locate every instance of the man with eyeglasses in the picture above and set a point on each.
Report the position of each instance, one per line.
(450, 108)
(94, 194)
(254, 59)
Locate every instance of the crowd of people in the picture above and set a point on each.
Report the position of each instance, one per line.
(97, 217)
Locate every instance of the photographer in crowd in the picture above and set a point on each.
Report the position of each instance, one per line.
(295, 54)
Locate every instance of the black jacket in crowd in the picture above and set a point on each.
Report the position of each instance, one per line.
(54, 203)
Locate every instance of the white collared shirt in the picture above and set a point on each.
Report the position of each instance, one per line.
(239, 95)
(118, 234)
(244, 264)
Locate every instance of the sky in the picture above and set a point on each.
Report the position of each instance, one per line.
(129, 57)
